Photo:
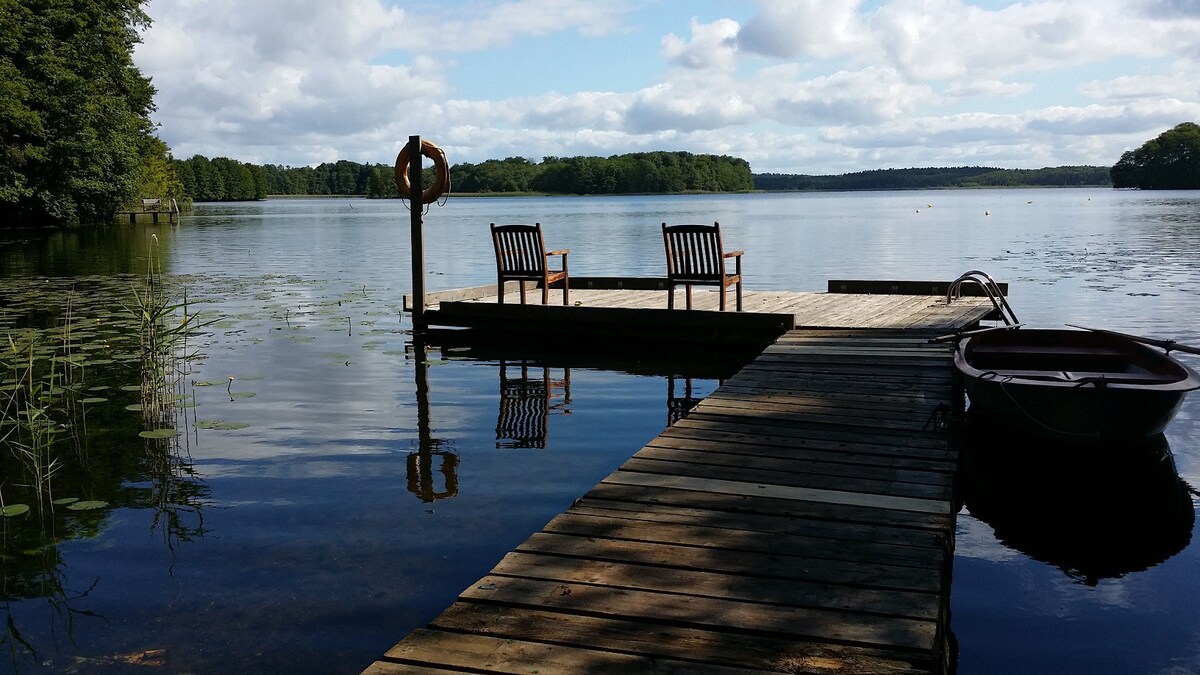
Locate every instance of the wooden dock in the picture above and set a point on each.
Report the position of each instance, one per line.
(799, 519)
(608, 307)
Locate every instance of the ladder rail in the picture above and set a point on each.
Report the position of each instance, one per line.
(990, 288)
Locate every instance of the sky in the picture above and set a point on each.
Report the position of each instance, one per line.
(791, 86)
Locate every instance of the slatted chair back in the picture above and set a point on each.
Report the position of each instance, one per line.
(695, 257)
(694, 252)
(521, 256)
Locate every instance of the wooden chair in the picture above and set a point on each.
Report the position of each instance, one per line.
(521, 256)
(695, 258)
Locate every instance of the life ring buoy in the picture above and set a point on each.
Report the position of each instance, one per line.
(441, 176)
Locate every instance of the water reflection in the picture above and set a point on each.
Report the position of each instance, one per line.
(526, 403)
(419, 464)
(1093, 512)
(678, 406)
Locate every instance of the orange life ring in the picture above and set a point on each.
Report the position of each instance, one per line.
(441, 177)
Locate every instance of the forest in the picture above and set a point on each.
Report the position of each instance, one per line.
(224, 179)
(953, 177)
(1171, 161)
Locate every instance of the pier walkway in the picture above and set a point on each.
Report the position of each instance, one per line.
(799, 519)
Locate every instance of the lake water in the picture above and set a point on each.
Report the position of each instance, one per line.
(341, 488)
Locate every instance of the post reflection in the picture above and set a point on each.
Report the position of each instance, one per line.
(1093, 512)
(419, 464)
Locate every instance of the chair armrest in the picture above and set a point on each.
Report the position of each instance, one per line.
(734, 254)
(563, 251)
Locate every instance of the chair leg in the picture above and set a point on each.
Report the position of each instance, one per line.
(739, 295)
(688, 293)
(545, 292)
(722, 305)
(500, 291)
(671, 296)
(566, 291)
(522, 290)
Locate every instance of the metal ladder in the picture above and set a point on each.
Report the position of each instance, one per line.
(990, 288)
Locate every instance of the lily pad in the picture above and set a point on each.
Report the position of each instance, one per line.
(158, 433)
(243, 394)
(14, 510)
(64, 501)
(87, 505)
(93, 399)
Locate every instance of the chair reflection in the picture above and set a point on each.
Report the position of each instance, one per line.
(526, 403)
(678, 407)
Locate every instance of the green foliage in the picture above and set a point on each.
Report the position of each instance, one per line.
(74, 110)
(648, 172)
(220, 179)
(966, 176)
(1169, 162)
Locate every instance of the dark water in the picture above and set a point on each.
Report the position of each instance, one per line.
(347, 484)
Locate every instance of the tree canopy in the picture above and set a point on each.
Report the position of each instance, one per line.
(74, 110)
(1169, 162)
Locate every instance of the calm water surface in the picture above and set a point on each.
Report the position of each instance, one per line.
(364, 483)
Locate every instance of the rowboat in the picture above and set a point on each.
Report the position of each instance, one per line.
(1079, 386)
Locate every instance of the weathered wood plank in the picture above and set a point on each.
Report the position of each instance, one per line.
(850, 459)
(780, 492)
(486, 653)
(755, 522)
(815, 469)
(676, 642)
(872, 574)
(707, 536)
(751, 474)
(752, 431)
(789, 508)
(703, 612)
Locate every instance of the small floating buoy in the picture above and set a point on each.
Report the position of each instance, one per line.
(987, 213)
(929, 206)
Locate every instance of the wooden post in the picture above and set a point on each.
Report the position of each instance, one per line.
(417, 206)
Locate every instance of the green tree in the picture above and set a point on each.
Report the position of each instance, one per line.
(1169, 162)
(74, 110)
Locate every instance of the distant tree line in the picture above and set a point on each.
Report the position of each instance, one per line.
(953, 177)
(224, 179)
(1169, 162)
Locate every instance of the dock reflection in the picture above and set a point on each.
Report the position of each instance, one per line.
(1093, 512)
(535, 386)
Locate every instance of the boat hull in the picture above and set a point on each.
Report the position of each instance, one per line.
(1073, 386)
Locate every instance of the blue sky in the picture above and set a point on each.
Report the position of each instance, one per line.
(793, 86)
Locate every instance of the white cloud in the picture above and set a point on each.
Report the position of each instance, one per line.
(713, 45)
(813, 86)
(813, 28)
